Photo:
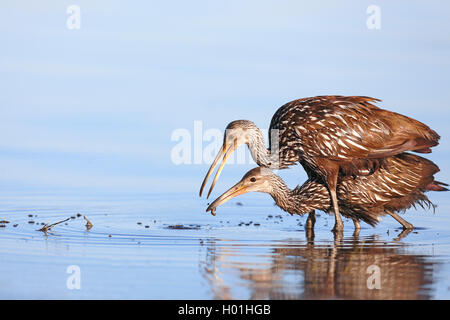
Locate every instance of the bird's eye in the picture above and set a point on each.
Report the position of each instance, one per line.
(253, 179)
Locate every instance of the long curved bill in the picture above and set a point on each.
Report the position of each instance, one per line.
(226, 152)
(234, 191)
(211, 169)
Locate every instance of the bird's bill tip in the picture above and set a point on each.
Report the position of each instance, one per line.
(213, 211)
(231, 193)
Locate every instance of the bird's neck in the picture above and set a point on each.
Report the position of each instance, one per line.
(291, 200)
(260, 153)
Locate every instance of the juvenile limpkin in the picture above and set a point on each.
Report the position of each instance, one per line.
(400, 182)
(331, 136)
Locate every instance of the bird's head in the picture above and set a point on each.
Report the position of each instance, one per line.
(240, 132)
(259, 179)
(237, 133)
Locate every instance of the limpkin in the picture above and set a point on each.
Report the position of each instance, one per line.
(331, 136)
(399, 183)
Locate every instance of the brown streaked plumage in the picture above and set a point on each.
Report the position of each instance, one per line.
(400, 182)
(331, 136)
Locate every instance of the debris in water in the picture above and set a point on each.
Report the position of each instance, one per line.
(89, 225)
(183, 227)
(47, 227)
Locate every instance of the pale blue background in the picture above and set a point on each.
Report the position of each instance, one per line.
(95, 108)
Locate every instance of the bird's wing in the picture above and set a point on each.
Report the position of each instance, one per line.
(343, 129)
(400, 176)
(340, 130)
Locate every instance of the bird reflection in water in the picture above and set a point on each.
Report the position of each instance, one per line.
(308, 270)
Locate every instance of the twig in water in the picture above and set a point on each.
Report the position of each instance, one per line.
(89, 225)
(49, 226)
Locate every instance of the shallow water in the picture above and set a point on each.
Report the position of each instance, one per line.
(145, 247)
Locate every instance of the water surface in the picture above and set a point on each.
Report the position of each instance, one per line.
(164, 246)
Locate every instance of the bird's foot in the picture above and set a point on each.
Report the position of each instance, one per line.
(408, 226)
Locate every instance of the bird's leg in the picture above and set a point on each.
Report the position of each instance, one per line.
(339, 225)
(311, 221)
(356, 234)
(357, 228)
(310, 235)
(404, 223)
(332, 185)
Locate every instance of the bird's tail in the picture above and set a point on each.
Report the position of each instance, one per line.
(436, 186)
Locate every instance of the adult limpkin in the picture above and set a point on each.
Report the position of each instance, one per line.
(331, 136)
(400, 182)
